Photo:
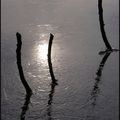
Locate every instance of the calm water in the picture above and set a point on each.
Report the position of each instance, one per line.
(75, 59)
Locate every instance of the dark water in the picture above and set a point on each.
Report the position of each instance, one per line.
(77, 42)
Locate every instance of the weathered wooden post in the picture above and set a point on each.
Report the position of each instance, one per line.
(100, 9)
(18, 52)
(24, 82)
(54, 81)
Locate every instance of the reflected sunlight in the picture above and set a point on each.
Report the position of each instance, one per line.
(42, 51)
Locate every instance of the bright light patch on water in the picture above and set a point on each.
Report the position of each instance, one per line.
(42, 51)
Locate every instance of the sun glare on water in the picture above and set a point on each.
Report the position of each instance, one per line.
(42, 51)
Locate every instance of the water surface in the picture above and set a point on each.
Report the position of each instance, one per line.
(77, 42)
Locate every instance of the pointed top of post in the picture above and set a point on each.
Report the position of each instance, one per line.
(51, 35)
(18, 35)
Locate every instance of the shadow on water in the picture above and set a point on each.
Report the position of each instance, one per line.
(54, 81)
(101, 21)
(23, 80)
(96, 89)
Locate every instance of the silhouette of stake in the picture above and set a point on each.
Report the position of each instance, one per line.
(24, 82)
(54, 81)
(100, 9)
(18, 52)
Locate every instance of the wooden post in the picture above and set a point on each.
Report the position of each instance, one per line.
(54, 81)
(18, 55)
(100, 9)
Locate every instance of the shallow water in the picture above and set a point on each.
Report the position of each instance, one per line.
(77, 42)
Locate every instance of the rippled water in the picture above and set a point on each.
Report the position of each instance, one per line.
(77, 42)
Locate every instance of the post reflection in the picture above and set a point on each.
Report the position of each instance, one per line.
(50, 101)
(25, 106)
(96, 89)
